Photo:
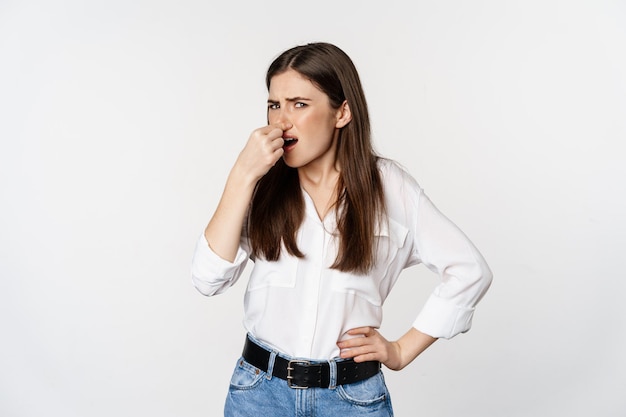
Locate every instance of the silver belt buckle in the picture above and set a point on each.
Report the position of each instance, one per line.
(290, 368)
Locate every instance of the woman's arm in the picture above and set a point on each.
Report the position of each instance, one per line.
(465, 277)
(261, 152)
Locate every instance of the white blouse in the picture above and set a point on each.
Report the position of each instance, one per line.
(302, 308)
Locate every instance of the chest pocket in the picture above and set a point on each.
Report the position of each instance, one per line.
(376, 284)
(281, 273)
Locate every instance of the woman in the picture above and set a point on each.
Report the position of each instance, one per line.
(329, 226)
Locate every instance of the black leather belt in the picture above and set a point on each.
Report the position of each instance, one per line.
(304, 374)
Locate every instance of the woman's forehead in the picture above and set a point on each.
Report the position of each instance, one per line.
(290, 84)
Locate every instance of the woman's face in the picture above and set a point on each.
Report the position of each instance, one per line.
(295, 100)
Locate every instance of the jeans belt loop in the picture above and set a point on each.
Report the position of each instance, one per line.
(333, 374)
(270, 364)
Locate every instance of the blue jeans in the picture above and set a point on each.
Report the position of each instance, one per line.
(255, 393)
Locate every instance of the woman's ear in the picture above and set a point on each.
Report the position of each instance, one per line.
(344, 115)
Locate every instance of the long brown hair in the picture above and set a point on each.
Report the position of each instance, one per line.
(278, 206)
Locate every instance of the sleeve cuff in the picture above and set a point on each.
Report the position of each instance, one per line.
(440, 318)
(212, 274)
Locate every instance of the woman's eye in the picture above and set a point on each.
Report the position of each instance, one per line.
(300, 104)
(273, 106)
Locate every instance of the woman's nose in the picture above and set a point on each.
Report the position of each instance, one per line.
(281, 116)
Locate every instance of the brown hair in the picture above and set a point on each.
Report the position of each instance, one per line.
(278, 206)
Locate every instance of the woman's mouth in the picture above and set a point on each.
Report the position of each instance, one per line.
(289, 144)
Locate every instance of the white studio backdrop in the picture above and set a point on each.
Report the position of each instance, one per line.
(119, 121)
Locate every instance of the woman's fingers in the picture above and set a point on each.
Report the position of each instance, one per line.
(263, 149)
(362, 330)
(369, 346)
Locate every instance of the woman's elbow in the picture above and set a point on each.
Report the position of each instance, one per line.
(485, 278)
(204, 287)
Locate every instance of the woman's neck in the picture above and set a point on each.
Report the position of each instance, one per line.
(321, 186)
(319, 176)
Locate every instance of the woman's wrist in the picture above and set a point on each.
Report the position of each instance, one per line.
(409, 347)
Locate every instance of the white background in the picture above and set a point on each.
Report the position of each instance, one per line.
(119, 121)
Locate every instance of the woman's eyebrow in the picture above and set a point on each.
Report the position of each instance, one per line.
(290, 99)
(298, 99)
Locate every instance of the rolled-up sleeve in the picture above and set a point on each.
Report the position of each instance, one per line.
(212, 274)
(465, 276)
